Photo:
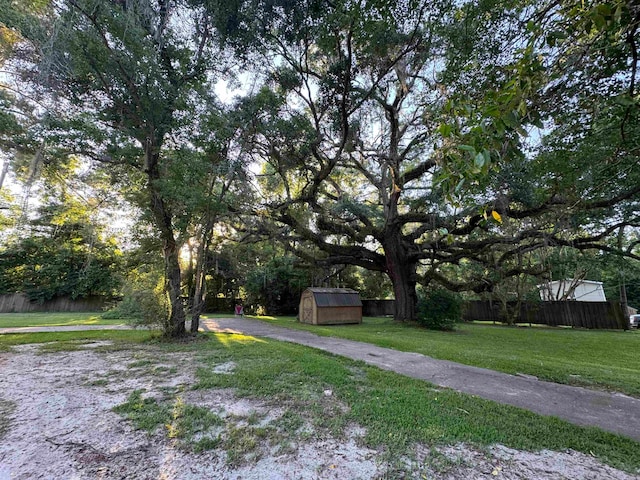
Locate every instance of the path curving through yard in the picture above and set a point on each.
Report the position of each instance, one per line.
(613, 412)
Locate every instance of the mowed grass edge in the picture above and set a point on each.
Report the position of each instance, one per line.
(16, 320)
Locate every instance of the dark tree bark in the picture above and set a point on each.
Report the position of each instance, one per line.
(200, 286)
(399, 267)
(170, 249)
(402, 274)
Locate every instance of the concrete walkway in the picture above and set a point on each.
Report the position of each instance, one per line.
(613, 412)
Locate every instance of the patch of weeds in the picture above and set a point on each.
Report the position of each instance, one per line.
(180, 344)
(140, 363)
(299, 384)
(63, 346)
(243, 443)
(190, 420)
(145, 413)
(291, 427)
(161, 370)
(394, 470)
(115, 347)
(441, 463)
(290, 422)
(6, 410)
(116, 377)
(182, 421)
(331, 421)
(117, 374)
(328, 416)
(169, 391)
(101, 382)
(254, 418)
(206, 443)
(286, 447)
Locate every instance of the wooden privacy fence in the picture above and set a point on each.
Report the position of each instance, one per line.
(599, 315)
(378, 308)
(20, 303)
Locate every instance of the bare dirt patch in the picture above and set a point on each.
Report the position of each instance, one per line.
(58, 422)
(461, 461)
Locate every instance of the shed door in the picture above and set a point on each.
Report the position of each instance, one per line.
(307, 309)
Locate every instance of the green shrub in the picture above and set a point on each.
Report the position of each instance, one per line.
(144, 302)
(439, 309)
(141, 306)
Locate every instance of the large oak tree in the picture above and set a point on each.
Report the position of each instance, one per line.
(394, 134)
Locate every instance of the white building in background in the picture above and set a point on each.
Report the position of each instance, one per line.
(572, 290)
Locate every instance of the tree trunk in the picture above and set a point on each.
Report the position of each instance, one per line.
(623, 287)
(406, 299)
(402, 274)
(624, 305)
(174, 327)
(199, 290)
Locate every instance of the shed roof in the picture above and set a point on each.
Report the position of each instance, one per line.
(336, 297)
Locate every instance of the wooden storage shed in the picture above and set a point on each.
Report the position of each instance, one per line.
(330, 306)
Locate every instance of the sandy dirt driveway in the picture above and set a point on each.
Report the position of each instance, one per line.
(57, 421)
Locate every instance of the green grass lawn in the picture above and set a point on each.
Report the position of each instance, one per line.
(11, 320)
(396, 411)
(600, 359)
(593, 358)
